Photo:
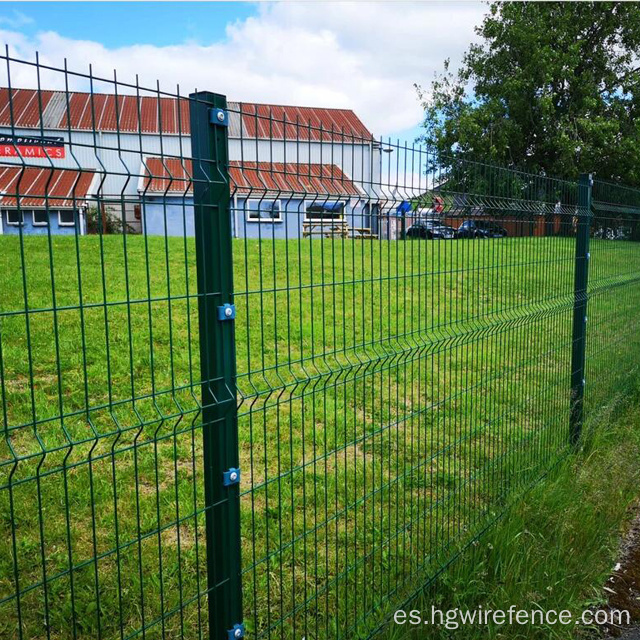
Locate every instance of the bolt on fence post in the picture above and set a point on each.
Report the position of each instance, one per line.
(581, 280)
(211, 197)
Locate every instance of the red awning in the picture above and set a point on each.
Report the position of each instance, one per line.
(44, 187)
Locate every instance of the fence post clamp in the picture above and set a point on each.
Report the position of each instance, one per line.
(236, 632)
(231, 477)
(226, 312)
(219, 117)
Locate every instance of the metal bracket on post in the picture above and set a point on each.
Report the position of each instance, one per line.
(219, 117)
(235, 633)
(226, 312)
(231, 477)
(213, 233)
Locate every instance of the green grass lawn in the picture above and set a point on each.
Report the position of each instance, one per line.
(393, 397)
(556, 549)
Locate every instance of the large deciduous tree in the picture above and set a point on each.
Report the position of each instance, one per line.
(551, 87)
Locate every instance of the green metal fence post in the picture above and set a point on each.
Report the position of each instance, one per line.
(209, 148)
(581, 279)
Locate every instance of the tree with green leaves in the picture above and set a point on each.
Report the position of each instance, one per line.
(553, 88)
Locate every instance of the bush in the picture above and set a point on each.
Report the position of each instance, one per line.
(106, 221)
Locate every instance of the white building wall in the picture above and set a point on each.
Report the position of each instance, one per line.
(360, 162)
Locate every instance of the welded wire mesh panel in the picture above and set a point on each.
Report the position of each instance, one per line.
(383, 345)
(101, 489)
(613, 343)
(403, 344)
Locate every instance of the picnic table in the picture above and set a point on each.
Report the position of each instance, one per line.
(327, 228)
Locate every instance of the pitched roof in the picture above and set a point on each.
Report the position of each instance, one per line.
(171, 176)
(43, 186)
(323, 179)
(295, 123)
(165, 175)
(85, 111)
(28, 108)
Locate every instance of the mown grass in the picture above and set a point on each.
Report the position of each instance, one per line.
(393, 397)
(555, 550)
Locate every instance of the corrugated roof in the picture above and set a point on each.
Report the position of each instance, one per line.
(154, 114)
(323, 179)
(166, 175)
(169, 175)
(295, 123)
(40, 187)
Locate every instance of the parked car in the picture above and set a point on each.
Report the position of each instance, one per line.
(480, 229)
(613, 233)
(431, 230)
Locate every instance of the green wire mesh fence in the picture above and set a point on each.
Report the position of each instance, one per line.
(612, 344)
(264, 375)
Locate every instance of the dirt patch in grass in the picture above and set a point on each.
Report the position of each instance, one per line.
(623, 586)
(186, 539)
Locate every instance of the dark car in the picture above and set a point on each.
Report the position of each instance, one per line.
(431, 230)
(481, 229)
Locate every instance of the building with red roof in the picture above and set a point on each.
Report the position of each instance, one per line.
(136, 149)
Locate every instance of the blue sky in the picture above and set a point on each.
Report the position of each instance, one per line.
(158, 23)
(364, 56)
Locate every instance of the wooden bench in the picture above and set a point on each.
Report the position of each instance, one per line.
(326, 228)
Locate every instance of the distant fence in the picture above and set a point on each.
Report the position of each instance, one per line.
(264, 375)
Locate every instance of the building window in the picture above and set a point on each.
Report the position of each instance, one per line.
(15, 217)
(320, 210)
(66, 218)
(264, 211)
(40, 217)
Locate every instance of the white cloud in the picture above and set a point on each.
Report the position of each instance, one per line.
(15, 20)
(362, 56)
